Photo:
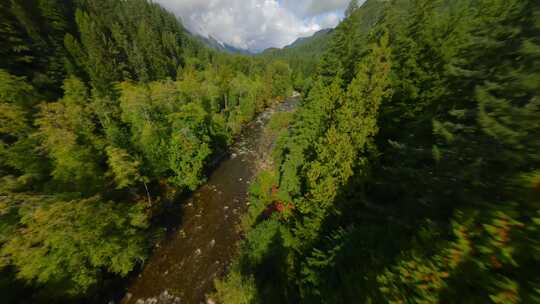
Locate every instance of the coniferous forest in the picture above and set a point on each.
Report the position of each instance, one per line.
(108, 110)
(409, 173)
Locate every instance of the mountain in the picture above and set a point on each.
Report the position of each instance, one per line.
(311, 40)
(304, 53)
(214, 44)
(315, 43)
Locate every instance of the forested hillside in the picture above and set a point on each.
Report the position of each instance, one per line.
(109, 110)
(212, 43)
(303, 56)
(411, 172)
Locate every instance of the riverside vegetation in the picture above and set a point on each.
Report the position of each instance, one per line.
(108, 110)
(410, 173)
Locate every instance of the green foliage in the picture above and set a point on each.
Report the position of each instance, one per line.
(261, 196)
(303, 56)
(412, 164)
(135, 40)
(124, 169)
(190, 145)
(484, 257)
(235, 289)
(145, 115)
(408, 175)
(17, 91)
(278, 76)
(67, 132)
(279, 122)
(66, 243)
(95, 135)
(16, 100)
(32, 34)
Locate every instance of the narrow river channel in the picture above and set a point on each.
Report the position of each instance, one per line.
(182, 269)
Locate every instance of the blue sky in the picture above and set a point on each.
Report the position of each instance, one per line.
(257, 24)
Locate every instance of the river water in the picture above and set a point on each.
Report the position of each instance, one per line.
(183, 267)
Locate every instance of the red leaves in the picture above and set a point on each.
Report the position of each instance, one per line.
(282, 207)
(275, 190)
(278, 206)
(536, 185)
(495, 263)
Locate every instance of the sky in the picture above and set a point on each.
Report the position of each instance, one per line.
(257, 24)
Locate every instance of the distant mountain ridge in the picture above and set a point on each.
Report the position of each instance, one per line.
(305, 40)
(217, 45)
(321, 36)
(314, 44)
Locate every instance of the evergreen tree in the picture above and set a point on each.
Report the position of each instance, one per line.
(415, 180)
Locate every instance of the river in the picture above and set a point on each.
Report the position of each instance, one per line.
(182, 268)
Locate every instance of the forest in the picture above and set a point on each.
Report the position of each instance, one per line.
(410, 172)
(109, 111)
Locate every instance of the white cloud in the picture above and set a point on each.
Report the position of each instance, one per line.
(314, 7)
(328, 20)
(257, 24)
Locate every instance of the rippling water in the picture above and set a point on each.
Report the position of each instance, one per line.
(182, 269)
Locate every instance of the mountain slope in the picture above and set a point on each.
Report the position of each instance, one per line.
(307, 55)
(214, 44)
(319, 39)
(302, 55)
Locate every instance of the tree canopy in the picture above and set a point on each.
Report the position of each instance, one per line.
(411, 168)
(108, 111)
